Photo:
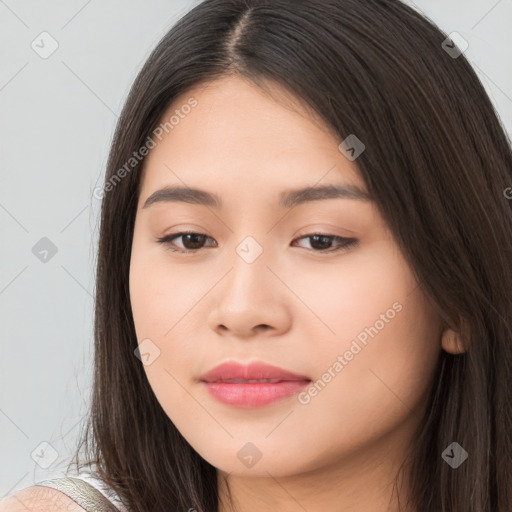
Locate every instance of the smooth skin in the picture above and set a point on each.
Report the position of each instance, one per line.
(299, 305)
(295, 306)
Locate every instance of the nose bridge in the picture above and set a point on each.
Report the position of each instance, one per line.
(254, 253)
(249, 268)
(247, 298)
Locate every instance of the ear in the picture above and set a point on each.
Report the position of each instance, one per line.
(451, 342)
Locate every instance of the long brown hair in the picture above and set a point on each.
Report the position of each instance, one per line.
(437, 162)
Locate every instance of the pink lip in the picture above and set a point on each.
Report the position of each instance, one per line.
(219, 383)
(252, 371)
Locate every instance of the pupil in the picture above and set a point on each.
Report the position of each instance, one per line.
(325, 239)
(195, 239)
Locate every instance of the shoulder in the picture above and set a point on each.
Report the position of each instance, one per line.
(39, 499)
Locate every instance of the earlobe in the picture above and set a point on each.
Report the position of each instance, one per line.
(451, 342)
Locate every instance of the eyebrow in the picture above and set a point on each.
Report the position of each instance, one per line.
(287, 199)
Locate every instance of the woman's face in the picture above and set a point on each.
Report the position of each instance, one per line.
(258, 286)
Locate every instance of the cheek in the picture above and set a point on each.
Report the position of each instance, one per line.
(160, 293)
(371, 387)
(157, 307)
(380, 338)
(162, 297)
(351, 293)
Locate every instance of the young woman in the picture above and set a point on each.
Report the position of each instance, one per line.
(304, 272)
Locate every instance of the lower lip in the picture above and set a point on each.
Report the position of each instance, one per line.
(255, 394)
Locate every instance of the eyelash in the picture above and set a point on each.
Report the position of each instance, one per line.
(347, 243)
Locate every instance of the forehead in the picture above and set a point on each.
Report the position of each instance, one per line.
(237, 133)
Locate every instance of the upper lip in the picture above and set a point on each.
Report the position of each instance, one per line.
(256, 370)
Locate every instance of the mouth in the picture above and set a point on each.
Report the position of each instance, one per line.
(253, 393)
(252, 385)
(245, 381)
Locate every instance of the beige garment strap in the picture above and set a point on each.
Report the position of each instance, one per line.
(83, 493)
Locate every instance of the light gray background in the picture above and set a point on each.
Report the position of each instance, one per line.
(57, 119)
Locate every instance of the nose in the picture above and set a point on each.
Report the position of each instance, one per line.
(250, 301)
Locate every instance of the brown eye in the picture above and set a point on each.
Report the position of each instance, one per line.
(323, 243)
(191, 241)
